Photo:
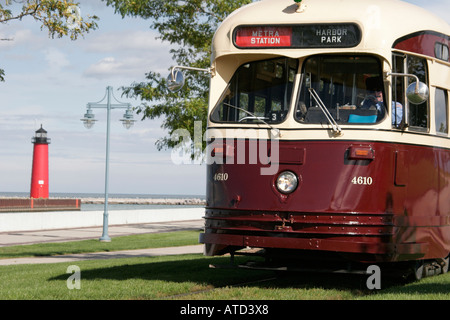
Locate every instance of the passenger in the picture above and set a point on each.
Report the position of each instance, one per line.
(397, 109)
(377, 101)
(397, 113)
(301, 111)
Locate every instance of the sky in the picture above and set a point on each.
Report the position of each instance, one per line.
(50, 81)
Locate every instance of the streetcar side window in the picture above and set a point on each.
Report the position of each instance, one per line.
(441, 51)
(350, 87)
(418, 113)
(258, 92)
(398, 91)
(441, 113)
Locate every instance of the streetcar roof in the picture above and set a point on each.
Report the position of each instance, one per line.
(381, 23)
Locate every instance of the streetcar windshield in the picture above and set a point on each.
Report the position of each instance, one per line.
(259, 92)
(349, 87)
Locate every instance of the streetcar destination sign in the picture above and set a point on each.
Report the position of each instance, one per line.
(340, 35)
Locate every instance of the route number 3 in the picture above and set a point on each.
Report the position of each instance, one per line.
(366, 181)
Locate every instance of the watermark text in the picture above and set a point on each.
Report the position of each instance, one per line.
(74, 281)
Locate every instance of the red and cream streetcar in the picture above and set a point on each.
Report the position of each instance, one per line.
(328, 132)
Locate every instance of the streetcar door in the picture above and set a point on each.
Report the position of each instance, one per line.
(406, 113)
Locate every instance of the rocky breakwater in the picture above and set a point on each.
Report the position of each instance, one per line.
(161, 201)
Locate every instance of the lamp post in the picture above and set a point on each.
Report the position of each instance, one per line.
(89, 122)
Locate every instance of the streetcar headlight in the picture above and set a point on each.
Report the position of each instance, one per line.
(287, 182)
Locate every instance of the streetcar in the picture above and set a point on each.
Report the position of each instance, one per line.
(328, 136)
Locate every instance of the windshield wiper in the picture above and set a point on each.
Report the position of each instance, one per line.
(334, 125)
(254, 117)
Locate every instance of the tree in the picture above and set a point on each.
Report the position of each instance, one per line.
(60, 17)
(189, 26)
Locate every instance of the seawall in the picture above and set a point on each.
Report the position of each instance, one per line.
(40, 204)
(26, 221)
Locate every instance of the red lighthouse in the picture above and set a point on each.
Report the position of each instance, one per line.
(39, 174)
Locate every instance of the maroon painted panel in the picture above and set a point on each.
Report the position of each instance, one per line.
(328, 180)
(388, 194)
(421, 42)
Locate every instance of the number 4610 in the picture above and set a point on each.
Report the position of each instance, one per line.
(362, 181)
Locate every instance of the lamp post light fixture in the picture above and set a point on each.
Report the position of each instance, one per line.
(127, 120)
(89, 122)
(88, 119)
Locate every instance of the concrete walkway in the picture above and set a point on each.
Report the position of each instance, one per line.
(72, 234)
(75, 234)
(105, 255)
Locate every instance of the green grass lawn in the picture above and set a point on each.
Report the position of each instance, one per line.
(185, 277)
(189, 277)
(130, 278)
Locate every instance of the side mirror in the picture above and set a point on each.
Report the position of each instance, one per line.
(417, 93)
(175, 80)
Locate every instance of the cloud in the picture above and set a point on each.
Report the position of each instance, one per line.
(126, 41)
(131, 67)
(56, 59)
(127, 54)
(106, 67)
(16, 37)
(110, 67)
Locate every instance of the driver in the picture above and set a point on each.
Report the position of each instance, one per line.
(375, 101)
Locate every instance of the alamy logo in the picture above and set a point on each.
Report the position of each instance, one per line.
(74, 17)
(74, 281)
(264, 152)
(374, 281)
